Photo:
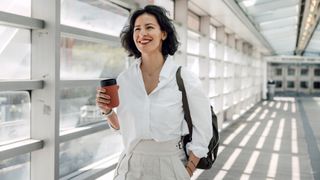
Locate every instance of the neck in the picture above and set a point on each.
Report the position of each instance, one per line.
(152, 64)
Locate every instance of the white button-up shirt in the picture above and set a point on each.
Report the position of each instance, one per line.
(159, 115)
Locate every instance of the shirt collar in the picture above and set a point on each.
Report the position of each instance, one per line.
(166, 69)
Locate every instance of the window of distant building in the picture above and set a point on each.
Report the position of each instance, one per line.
(278, 84)
(290, 84)
(291, 72)
(279, 72)
(304, 72)
(304, 84)
(316, 85)
(317, 72)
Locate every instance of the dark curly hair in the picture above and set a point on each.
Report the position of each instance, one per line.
(169, 45)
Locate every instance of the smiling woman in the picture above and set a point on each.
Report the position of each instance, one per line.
(150, 115)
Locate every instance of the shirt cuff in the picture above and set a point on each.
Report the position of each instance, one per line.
(198, 151)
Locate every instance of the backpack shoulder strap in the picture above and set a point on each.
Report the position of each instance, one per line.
(185, 104)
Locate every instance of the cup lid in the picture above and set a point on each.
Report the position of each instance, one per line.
(108, 82)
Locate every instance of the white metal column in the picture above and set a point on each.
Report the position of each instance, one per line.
(181, 16)
(204, 51)
(45, 65)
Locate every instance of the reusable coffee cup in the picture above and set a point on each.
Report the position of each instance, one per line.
(110, 85)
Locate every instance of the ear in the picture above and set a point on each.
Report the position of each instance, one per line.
(164, 35)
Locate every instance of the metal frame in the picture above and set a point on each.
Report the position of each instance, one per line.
(83, 131)
(18, 148)
(87, 35)
(21, 85)
(18, 21)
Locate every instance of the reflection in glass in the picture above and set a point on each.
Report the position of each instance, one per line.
(20, 7)
(81, 152)
(78, 107)
(88, 60)
(98, 16)
(17, 65)
(17, 168)
(193, 64)
(14, 116)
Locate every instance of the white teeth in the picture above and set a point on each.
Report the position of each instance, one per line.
(144, 41)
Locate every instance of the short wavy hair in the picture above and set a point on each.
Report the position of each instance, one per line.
(170, 44)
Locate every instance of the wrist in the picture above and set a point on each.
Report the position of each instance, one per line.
(108, 113)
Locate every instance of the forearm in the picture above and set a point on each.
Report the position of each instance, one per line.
(192, 163)
(113, 120)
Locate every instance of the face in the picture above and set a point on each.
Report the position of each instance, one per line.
(147, 34)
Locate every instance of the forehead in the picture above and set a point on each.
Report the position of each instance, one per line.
(145, 19)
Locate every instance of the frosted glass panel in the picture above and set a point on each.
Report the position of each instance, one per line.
(17, 168)
(78, 107)
(193, 64)
(193, 43)
(84, 151)
(14, 116)
(15, 53)
(20, 7)
(88, 60)
(99, 16)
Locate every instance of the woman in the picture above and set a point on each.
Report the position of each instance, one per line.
(150, 115)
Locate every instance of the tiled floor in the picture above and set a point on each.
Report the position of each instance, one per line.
(277, 139)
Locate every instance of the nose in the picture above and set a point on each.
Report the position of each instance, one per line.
(143, 32)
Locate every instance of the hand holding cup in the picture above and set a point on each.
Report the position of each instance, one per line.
(107, 95)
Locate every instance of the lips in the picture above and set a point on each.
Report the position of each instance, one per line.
(144, 41)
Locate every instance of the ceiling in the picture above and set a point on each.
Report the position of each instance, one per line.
(285, 24)
(274, 27)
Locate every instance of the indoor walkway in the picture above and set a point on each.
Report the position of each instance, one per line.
(277, 139)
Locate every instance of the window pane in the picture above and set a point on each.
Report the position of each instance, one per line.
(304, 84)
(304, 72)
(17, 65)
(17, 168)
(279, 72)
(98, 16)
(291, 72)
(193, 64)
(193, 21)
(14, 116)
(212, 49)
(193, 43)
(81, 152)
(278, 84)
(213, 32)
(88, 60)
(317, 72)
(78, 107)
(316, 85)
(20, 7)
(168, 5)
(290, 84)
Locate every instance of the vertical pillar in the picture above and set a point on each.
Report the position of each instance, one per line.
(221, 38)
(204, 51)
(181, 16)
(45, 65)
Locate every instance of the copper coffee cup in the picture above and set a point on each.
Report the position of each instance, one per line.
(111, 87)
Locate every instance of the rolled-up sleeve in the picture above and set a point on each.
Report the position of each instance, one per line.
(199, 106)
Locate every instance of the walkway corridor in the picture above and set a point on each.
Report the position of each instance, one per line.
(277, 139)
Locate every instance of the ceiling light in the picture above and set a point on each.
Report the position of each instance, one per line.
(248, 3)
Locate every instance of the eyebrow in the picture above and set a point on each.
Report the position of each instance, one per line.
(145, 25)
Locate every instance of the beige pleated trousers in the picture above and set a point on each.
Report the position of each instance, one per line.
(151, 160)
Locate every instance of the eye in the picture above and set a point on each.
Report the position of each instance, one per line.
(149, 27)
(136, 29)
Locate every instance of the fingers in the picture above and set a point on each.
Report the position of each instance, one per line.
(102, 99)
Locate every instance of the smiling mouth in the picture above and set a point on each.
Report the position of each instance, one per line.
(144, 42)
